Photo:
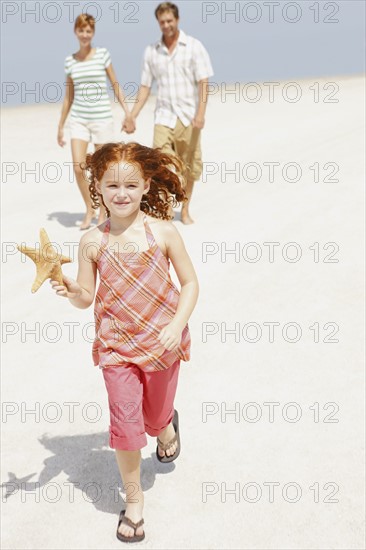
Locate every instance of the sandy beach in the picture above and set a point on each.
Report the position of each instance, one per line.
(271, 404)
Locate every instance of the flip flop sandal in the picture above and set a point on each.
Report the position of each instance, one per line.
(130, 523)
(165, 446)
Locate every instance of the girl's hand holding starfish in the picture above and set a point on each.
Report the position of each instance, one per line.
(71, 289)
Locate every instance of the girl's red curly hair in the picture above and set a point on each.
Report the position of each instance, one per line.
(166, 173)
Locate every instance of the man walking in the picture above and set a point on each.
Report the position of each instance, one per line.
(181, 66)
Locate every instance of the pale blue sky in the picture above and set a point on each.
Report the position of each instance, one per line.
(241, 51)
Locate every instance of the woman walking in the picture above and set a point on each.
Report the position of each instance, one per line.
(87, 98)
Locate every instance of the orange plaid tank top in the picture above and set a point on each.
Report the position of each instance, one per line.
(136, 298)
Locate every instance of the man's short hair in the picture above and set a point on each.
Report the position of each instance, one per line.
(167, 6)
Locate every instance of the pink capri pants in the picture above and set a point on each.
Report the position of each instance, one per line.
(139, 402)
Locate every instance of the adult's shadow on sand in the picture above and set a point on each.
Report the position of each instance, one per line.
(91, 467)
(67, 219)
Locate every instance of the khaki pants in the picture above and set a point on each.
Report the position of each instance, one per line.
(183, 142)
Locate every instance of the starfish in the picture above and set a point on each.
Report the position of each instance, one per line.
(48, 261)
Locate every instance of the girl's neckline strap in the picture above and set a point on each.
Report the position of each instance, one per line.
(149, 235)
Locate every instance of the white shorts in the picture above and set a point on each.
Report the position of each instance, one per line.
(96, 131)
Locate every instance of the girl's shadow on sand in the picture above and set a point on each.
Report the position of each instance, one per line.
(91, 467)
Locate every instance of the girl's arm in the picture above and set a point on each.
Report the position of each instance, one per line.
(81, 292)
(170, 335)
(129, 124)
(66, 106)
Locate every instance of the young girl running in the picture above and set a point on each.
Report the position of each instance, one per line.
(140, 316)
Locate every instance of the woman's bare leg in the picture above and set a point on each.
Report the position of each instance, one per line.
(102, 213)
(79, 149)
(129, 463)
(185, 217)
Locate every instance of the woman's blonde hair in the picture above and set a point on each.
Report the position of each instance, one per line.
(83, 20)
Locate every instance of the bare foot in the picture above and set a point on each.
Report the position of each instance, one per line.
(165, 436)
(185, 217)
(85, 224)
(134, 513)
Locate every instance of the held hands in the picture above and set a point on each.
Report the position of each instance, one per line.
(129, 124)
(170, 336)
(71, 289)
(60, 137)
